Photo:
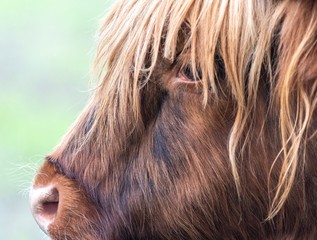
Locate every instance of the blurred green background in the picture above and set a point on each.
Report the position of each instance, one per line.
(46, 51)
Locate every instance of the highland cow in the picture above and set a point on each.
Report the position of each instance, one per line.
(203, 125)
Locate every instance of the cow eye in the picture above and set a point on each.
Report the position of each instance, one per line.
(188, 74)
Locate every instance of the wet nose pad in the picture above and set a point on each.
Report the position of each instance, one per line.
(44, 205)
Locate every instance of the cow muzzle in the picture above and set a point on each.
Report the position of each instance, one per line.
(44, 205)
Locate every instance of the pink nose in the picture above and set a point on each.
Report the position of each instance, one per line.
(44, 205)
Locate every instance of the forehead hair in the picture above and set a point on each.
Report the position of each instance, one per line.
(138, 33)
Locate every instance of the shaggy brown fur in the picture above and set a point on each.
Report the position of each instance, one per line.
(203, 125)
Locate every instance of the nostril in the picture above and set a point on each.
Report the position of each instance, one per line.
(49, 208)
(48, 205)
(44, 204)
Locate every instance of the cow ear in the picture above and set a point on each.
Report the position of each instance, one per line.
(298, 46)
(308, 65)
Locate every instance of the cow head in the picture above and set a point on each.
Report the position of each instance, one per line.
(202, 126)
